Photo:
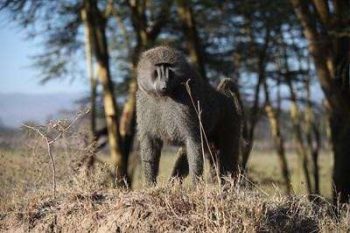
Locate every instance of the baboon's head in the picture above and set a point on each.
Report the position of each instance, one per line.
(161, 70)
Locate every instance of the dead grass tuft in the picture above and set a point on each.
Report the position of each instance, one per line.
(85, 203)
(173, 208)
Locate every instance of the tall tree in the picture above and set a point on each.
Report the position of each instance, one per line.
(96, 25)
(194, 44)
(325, 26)
(277, 138)
(90, 73)
(146, 31)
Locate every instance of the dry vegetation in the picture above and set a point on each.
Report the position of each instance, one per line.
(85, 202)
(173, 208)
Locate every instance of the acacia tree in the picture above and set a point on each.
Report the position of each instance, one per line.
(58, 23)
(96, 25)
(325, 26)
(146, 30)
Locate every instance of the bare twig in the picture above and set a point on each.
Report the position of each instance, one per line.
(48, 144)
(50, 141)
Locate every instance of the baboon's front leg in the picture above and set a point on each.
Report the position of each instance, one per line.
(195, 159)
(150, 155)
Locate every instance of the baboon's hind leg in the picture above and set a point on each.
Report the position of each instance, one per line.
(181, 169)
(229, 154)
(213, 167)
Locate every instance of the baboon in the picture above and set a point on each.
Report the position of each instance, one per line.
(230, 89)
(166, 114)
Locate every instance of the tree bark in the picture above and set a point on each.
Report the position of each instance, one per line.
(185, 13)
(312, 138)
(278, 139)
(301, 149)
(97, 25)
(340, 127)
(296, 121)
(261, 67)
(253, 119)
(91, 76)
(145, 37)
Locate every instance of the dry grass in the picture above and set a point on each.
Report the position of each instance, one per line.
(172, 208)
(265, 172)
(85, 202)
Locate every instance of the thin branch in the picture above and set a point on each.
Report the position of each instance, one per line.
(49, 143)
(53, 166)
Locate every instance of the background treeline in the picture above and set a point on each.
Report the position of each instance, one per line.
(280, 52)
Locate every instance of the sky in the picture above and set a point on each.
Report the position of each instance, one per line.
(22, 97)
(16, 73)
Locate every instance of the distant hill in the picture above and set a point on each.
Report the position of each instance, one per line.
(16, 108)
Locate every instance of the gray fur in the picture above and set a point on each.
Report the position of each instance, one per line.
(165, 114)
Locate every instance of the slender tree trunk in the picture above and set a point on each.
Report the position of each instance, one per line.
(296, 121)
(145, 37)
(313, 139)
(91, 75)
(253, 119)
(97, 25)
(128, 127)
(185, 13)
(301, 149)
(278, 140)
(93, 90)
(254, 115)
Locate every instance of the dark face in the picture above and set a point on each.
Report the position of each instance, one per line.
(163, 78)
(161, 70)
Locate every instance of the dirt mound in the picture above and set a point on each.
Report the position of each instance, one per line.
(173, 209)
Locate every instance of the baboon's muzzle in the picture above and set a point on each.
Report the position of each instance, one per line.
(163, 73)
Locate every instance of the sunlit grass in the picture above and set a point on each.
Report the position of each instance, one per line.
(25, 180)
(25, 171)
(264, 171)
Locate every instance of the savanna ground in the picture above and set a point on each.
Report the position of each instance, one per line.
(86, 202)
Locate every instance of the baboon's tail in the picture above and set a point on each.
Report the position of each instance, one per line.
(230, 89)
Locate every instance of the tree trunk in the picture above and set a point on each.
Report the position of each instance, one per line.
(128, 125)
(145, 37)
(261, 67)
(296, 121)
(312, 138)
(93, 90)
(97, 25)
(278, 139)
(340, 127)
(331, 58)
(279, 145)
(90, 73)
(185, 13)
(301, 149)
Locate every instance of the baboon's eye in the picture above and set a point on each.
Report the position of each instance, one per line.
(154, 75)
